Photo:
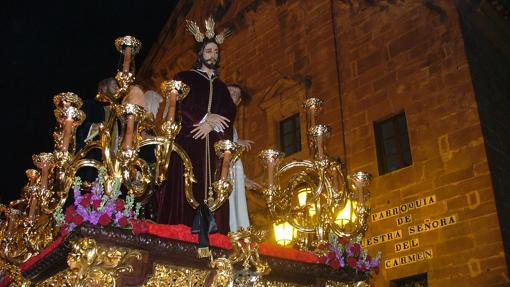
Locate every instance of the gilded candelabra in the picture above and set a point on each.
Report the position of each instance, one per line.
(308, 199)
(27, 225)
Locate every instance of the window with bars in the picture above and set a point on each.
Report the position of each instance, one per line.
(290, 135)
(392, 141)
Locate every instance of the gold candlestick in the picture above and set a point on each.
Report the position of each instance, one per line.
(172, 104)
(128, 138)
(361, 180)
(12, 221)
(68, 116)
(270, 159)
(130, 115)
(43, 161)
(68, 128)
(230, 151)
(174, 91)
(127, 59)
(319, 134)
(312, 106)
(128, 46)
(225, 164)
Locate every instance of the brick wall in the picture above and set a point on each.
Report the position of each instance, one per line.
(410, 57)
(391, 56)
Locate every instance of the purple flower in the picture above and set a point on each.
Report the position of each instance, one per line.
(82, 211)
(108, 208)
(118, 215)
(77, 196)
(93, 190)
(93, 217)
(349, 250)
(342, 261)
(375, 262)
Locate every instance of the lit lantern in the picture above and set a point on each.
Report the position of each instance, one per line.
(313, 208)
(283, 233)
(347, 214)
(302, 194)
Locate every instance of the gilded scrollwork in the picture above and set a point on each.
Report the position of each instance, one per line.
(224, 272)
(13, 272)
(90, 264)
(269, 283)
(245, 249)
(343, 284)
(176, 276)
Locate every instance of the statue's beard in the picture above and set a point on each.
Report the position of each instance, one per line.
(211, 63)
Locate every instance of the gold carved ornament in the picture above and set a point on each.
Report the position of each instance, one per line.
(14, 274)
(176, 276)
(245, 249)
(90, 264)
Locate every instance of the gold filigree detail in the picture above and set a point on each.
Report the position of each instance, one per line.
(90, 264)
(13, 272)
(181, 88)
(245, 249)
(77, 115)
(224, 272)
(330, 283)
(176, 276)
(319, 130)
(66, 99)
(267, 283)
(128, 41)
(43, 159)
(171, 129)
(313, 103)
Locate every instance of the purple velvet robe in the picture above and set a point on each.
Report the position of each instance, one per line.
(172, 206)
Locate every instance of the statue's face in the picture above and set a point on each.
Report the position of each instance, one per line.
(112, 87)
(109, 88)
(235, 94)
(210, 55)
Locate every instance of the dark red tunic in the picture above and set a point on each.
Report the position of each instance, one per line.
(172, 207)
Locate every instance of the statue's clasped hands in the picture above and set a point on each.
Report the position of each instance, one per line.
(209, 123)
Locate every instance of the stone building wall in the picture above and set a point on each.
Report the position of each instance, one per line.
(367, 61)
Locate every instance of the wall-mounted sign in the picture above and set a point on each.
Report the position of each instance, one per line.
(407, 245)
(408, 259)
(403, 208)
(403, 217)
(429, 225)
(381, 238)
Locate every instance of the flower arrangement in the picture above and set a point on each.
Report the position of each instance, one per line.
(96, 207)
(342, 253)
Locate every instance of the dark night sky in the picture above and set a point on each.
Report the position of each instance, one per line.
(50, 47)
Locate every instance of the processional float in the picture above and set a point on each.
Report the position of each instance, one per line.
(316, 195)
